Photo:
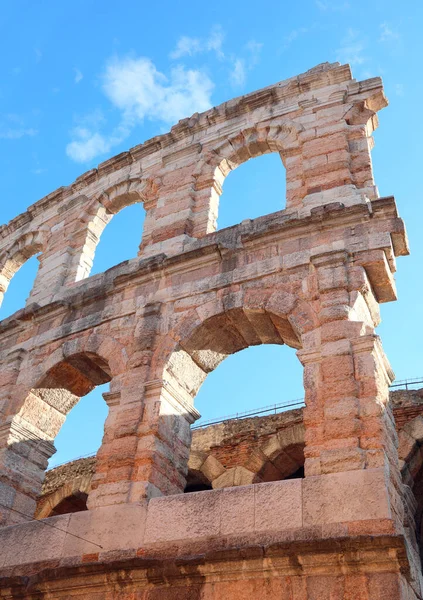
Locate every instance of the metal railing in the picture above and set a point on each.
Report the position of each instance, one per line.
(407, 383)
(266, 410)
(270, 409)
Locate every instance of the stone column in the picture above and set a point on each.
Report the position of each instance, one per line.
(146, 442)
(348, 422)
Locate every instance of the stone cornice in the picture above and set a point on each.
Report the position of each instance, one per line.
(208, 250)
(323, 75)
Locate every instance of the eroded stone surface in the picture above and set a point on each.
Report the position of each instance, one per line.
(310, 276)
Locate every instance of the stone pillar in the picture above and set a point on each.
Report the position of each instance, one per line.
(348, 422)
(146, 442)
(168, 223)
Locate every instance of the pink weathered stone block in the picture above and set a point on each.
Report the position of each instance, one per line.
(237, 510)
(111, 527)
(278, 505)
(350, 496)
(188, 516)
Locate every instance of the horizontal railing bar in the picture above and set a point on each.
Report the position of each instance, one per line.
(401, 383)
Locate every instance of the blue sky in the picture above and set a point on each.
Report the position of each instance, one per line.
(83, 81)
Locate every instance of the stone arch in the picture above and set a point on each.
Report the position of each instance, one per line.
(279, 457)
(74, 487)
(102, 206)
(204, 338)
(55, 386)
(217, 162)
(104, 348)
(410, 452)
(282, 455)
(227, 325)
(12, 259)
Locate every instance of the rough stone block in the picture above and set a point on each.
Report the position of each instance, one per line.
(278, 505)
(350, 496)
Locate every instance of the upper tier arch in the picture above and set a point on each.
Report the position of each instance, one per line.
(320, 122)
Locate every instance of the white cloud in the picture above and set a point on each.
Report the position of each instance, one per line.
(38, 171)
(139, 91)
(78, 75)
(9, 133)
(387, 34)
(88, 145)
(238, 74)
(186, 46)
(352, 49)
(13, 127)
(189, 46)
(215, 41)
(38, 55)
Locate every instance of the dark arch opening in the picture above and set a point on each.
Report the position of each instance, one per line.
(418, 494)
(120, 238)
(77, 502)
(196, 482)
(254, 189)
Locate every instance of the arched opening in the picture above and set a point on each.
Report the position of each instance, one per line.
(241, 451)
(197, 482)
(254, 189)
(267, 375)
(118, 237)
(77, 502)
(18, 283)
(34, 429)
(264, 178)
(18, 268)
(84, 423)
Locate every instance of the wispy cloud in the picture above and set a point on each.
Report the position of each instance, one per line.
(139, 91)
(352, 49)
(254, 49)
(330, 6)
(238, 74)
(189, 46)
(38, 55)
(78, 75)
(399, 89)
(186, 46)
(13, 127)
(38, 171)
(240, 66)
(293, 35)
(387, 34)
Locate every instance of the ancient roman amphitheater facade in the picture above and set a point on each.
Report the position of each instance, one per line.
(310, 276)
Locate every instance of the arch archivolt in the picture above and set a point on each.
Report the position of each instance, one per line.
(76, 485)
(22, 249)
(218, 160)
(250, 142)
(129, 190)
(197, 342)
(101, 207)
(274, 459)
(410, 451)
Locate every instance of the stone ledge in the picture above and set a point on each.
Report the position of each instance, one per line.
(289, 510)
